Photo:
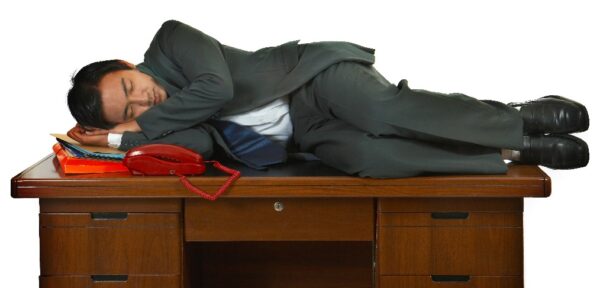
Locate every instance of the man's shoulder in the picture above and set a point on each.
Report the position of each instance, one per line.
(167, 28)
(169, 25)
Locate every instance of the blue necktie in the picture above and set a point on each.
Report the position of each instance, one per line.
(256, 150)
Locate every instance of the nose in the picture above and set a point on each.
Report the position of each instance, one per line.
(141, 98)
(140, 102)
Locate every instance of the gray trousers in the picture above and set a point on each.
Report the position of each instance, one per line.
(355, 120)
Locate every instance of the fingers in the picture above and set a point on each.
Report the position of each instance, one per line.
(89, 136)
(77, 128)
(96, 131)
(91, 131)
(75, 133)
(85, 139)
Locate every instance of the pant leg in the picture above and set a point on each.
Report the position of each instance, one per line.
(362, 97)
(358, 152)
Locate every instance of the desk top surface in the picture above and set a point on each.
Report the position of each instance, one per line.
(294, 179)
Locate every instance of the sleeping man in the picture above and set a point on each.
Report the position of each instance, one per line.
(323, 99)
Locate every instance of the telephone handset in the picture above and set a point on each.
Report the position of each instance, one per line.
(167, 159)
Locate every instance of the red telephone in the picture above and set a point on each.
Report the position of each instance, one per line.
(167, 159)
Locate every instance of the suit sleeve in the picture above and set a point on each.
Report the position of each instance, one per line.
(199, 58)
(195, 138)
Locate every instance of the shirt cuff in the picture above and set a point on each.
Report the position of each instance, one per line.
(114, 140)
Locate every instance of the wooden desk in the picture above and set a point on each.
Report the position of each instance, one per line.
(297, 225)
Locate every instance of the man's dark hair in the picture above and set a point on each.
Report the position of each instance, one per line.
(84, 99)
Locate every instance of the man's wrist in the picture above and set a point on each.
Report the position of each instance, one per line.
(114, 140)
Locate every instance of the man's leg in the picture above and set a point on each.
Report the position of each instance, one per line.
(356, 152)
(361, 96)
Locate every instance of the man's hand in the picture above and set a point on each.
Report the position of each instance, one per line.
(95, 137)
(131, 126)
(99, 137)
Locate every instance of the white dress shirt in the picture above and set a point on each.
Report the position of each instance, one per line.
(272, 120)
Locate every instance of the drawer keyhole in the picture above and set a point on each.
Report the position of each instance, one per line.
(278, 206)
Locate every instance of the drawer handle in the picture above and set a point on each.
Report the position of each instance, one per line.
(109, 278)
(450, 278)
(450, 215)
(109, 215)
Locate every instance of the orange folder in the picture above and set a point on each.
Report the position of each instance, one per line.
(74, 165)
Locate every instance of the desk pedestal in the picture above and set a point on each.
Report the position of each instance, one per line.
(279, 242)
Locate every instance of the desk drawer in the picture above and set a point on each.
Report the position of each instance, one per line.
(484, 251)
(450, 282)
(110, 243)
(279, 220)
(112, 281)
(476, 237)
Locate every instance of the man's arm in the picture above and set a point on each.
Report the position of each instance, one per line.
(179, 48)
(95, 137)
(195, 138)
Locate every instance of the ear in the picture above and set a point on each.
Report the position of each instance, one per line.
(128, 64)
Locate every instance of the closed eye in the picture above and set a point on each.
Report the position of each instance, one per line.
(127, 112)
(126, 94)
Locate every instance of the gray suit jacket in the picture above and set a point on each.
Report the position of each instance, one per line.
(205, 78)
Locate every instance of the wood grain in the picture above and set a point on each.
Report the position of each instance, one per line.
(483, 251)
(487, 241)
(474, 282)
(78, 281)
(474, 219)
(472, 204)
(74, 244)
(304, 179)
(287, 264)
(331, 229)
(421, 251)
(404, 251)
(49, 205)
(300, 220)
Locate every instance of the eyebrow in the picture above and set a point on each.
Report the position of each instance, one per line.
(126, 96)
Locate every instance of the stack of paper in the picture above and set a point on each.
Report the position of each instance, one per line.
(75, 158)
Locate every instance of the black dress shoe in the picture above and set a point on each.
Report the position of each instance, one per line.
(553, 114)
(555, 151)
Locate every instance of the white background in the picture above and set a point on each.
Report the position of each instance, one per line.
(507, 51)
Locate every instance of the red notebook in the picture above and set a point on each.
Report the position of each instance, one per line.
(74, 165)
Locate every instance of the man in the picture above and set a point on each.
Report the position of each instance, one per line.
(322, 98)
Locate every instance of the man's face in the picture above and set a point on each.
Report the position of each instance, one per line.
(126, 94)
